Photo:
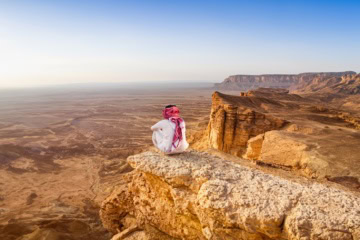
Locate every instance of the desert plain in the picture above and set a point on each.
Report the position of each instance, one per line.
(63, 150)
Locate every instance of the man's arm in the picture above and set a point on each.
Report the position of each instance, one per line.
(157, 126)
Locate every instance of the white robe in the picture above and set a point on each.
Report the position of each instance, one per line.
(163, 134)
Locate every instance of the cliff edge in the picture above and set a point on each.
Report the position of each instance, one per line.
(199, 196)
(287, 131)
(234, 120)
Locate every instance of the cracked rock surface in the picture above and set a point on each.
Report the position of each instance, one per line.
(199, 196)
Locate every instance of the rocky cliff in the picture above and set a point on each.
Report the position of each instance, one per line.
(286, 131)
(348, 84)
(234, 120)
(198, 196)
(246, 82)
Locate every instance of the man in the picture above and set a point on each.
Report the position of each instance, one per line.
(169, 134)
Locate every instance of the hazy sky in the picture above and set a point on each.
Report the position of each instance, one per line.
(52, 42)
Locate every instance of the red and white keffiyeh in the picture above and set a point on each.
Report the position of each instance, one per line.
(172, 114)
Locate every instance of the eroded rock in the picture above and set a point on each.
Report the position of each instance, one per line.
(287, 131)
(291, 150)
(198, 196)
(234, 120)
(254, 146)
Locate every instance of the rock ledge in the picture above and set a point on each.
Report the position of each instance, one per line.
(199, 196)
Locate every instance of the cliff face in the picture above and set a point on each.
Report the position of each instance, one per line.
(246, 82)
(348, 84)
(286, 131)
(234, 120)
(198, 196)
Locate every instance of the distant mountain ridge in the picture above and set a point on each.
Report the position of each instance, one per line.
(289, 81)
(348, 84)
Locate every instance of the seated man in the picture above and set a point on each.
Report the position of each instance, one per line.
(169, 134)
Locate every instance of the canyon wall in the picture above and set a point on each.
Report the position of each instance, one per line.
(199, 196)
(234, 120)
(287, 131)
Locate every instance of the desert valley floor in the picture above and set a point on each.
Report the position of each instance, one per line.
(62, 152)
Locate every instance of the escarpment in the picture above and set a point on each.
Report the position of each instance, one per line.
(299, 177)
(286, 131)
(246, 82)
(289, 81)
(234, 120)
(199, 196)
(348, 84)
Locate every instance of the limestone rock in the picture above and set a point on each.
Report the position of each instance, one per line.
(287, 149)
(254, 146)
(286, 131)
(234, 120)
(199, 196)
(306, 155)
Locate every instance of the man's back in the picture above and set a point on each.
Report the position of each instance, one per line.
(163, 136)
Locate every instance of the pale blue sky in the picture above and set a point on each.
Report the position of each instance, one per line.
(52, 42)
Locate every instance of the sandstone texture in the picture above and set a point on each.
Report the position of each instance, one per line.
(287, 131)
(310, 155)
(234, 120)
(254, 147)
(286, 149)
(199, 196)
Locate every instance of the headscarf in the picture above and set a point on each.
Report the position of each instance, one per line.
(172, 114)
